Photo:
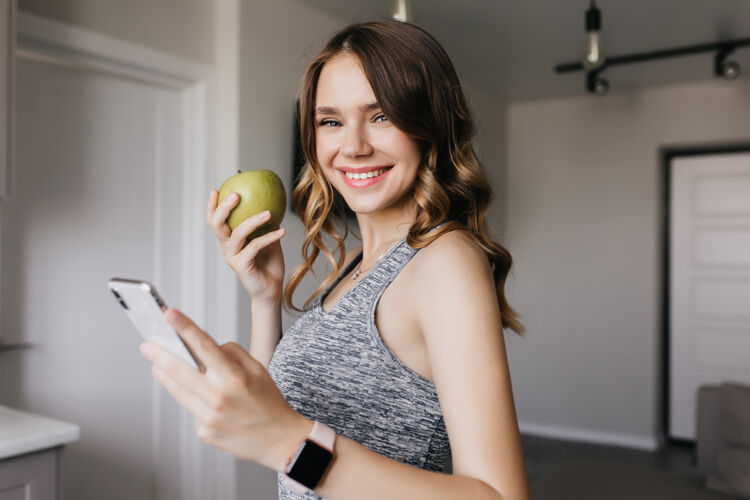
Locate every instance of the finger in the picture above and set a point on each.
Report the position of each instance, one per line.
(219, 219)
(172, 365)
(257, 244)
(211, 205)
(245, 229)
(187, 399)
(201, 343)
(239, 355)
(225, 205)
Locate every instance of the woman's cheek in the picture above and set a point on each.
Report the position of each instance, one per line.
(324, 151)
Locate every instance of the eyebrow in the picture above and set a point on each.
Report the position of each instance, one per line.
(328, 110)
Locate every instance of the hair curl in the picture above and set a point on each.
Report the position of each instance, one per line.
(418, 90)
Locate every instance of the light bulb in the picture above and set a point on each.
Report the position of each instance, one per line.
(593, 56)
(730, 70)
(402, 11)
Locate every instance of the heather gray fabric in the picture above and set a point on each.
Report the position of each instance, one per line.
(335, 368)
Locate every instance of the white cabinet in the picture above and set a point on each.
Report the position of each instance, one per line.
(35, 476)
(31, 449)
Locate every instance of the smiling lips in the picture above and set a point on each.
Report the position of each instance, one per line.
(365, 175)
(363, 179)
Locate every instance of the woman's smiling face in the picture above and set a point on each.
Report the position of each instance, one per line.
(352, 134)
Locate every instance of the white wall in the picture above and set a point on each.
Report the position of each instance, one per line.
(81, 369)
(184, 28)
(584, 227)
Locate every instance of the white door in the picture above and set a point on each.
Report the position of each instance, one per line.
(709, 285)
(98, 194)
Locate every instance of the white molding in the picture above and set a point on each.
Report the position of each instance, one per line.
(222, 474)
(210, 143)
(93, 51)
(609, 438)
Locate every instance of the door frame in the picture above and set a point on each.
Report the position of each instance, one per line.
(667, 154)
(209, 100)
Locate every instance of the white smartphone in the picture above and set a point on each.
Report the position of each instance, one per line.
(145, 308)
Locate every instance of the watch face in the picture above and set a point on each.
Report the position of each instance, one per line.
(310, 464)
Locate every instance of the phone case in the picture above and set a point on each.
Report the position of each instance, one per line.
(145, 308)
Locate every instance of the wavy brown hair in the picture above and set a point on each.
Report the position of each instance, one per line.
(418, 90)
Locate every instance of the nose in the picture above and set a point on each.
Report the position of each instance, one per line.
(355, 143)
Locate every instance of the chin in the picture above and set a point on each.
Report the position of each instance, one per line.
(364, 208)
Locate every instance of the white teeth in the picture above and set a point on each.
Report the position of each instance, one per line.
(372, 173)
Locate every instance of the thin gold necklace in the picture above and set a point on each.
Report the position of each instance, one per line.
(360, 270)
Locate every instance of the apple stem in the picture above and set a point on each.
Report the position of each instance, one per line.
(239, 171)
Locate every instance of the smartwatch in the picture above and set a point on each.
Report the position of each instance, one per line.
(311, 461)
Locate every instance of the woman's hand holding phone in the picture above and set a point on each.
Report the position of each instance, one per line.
(259, 263)
(235, 403)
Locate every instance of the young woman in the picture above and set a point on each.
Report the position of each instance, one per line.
(398, 361)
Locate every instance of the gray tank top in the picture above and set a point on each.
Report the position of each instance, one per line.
(335, 368)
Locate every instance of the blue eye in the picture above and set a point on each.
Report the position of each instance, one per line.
(326, 123)
(379, 116)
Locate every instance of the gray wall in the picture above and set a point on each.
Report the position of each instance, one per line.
(181, 27)
(583, 220)
(490, 144)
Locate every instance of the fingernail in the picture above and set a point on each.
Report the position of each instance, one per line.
(265, 214)
(157, 372)
(172, 316)
(145, 349)
(233, 196)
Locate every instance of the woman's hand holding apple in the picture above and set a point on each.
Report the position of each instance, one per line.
(259, 263)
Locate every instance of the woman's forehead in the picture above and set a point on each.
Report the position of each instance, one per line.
(343, 80)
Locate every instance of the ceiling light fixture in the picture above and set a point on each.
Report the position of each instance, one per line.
(402, 11)
(728, 70)
(594, 62)
(593, 57)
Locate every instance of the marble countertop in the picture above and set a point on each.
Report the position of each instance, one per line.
(22, 432)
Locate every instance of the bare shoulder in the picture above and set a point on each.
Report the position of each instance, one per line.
(451, 270)
(450, 256)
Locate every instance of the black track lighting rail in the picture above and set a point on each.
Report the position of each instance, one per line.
(724, 47)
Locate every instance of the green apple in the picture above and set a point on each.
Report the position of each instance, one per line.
(259, 190)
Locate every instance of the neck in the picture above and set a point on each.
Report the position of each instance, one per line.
(381, 230)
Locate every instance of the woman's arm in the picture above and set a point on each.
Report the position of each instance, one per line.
(266, 330)
(358, 472)
(458, 311)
